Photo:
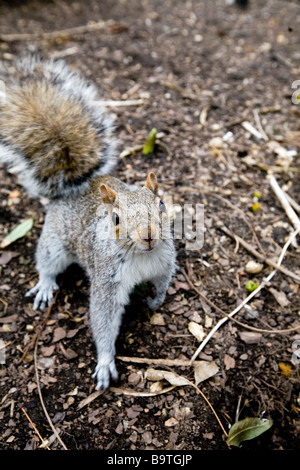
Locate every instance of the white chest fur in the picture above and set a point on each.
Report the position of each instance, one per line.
(142, 267)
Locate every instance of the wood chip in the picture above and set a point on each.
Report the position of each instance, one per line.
(250, 337)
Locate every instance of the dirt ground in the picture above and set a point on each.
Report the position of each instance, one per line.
(196, 71)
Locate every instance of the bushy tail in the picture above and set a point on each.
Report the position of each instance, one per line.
(52, 134)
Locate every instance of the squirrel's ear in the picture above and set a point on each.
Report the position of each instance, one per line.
(151, 182)
(108, 195)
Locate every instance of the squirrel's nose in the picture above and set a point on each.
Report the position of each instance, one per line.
(148, 234)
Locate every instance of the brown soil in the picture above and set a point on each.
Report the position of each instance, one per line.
(200, 69)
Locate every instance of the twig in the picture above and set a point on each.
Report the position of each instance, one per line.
(258, 125)
(211, 407)
(5, 304)
(237, 209)
(140, 394)
(55, 34)
(179, 89)
(293, 203)
(250, 161)
(44, 441)
(245, 301)
(284, 202)
(250, 128)
(117, 104)
(42, 401)
(227, 315)
(34, 339)
(258, 255)
(147, 360)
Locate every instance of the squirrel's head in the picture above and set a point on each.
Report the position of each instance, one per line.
(138, 217)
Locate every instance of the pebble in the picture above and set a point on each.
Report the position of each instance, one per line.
(250, 337)
(244, 357)
(253, 267)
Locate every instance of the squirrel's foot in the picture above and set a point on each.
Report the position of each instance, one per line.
(43, 292)
(102, 374)
(154, 303)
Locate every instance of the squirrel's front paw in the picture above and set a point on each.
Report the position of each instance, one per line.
(103, 372)
(43, 293)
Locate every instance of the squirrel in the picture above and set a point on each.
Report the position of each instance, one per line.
(63, 147)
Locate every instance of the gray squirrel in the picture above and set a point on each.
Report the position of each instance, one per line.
(62, 147)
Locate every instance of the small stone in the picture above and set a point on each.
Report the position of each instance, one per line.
(250, 337)
(171, 422)
(244, 357)
(157, 319)
(253, 267)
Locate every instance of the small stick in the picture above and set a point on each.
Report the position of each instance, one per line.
(34, 339)
(245, 301)
(147, 360)
(42, 401)
(5, 304)
(244, 325)
(44, 441)
(284, 202)
(250, 128)
(255, 253)
(258, 124)
(293, 203)
(55, 34)
(117, 104)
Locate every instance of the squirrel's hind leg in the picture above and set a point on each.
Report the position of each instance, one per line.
(52, 259)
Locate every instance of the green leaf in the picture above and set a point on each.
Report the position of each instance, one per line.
(247, 429)
(18, 232)
(150, 142)
(251, 286)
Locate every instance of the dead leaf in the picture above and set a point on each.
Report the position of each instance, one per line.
(48, 350)
(196, 330)
(171, 422)
(174, 379)
(250, 337)
(59, 334)
(157, 319)
(285, 368)
(7, 256)
(156, 387)
(229, 362)
(204, 370)
(280, 297)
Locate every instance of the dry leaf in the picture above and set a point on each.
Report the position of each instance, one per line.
(156, 387)
(285, 368)
(250, 337)
(171, 422)
(229, 362)
(157, 319)
(7, 256)
(280, 297)
(196, 330)
(171, 377)
(204, 370)
(59, 334)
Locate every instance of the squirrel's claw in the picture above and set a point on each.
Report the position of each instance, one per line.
(102, 374)
(43, 292)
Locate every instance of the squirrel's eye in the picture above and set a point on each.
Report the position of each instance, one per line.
(115, 218)
(162, 207)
